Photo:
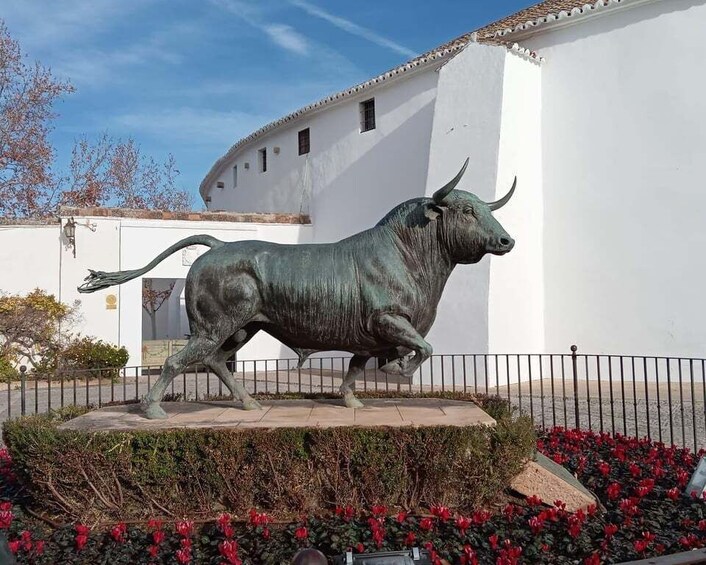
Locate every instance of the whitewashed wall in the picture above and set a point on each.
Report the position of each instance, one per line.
(516, 296)
(111, 244)
(29, 257)
(350, 179)
(624, 139)
(466, 124)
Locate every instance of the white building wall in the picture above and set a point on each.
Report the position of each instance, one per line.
(42, 259)
(467, 124)
(29, 258)
(624, 135)
(350, 179)
(516, 297)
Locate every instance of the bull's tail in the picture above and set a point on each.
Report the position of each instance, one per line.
(97, 280)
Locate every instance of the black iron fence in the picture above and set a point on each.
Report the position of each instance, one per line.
(661, 398)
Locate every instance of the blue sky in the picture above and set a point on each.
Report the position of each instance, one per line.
(191, 77)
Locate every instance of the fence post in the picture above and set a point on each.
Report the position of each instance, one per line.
(23, 385)
(576, 385)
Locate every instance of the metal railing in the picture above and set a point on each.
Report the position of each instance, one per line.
(661, 398)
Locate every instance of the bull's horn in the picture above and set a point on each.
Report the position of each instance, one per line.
(500, 203)
(444, 191)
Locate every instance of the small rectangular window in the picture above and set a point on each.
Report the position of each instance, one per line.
(304, 142)
(367, 115)
(235, 176)
(262, 158)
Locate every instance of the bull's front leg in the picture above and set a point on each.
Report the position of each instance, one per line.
(398, 331)
(355, 369)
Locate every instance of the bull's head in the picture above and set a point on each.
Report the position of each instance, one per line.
(466, 223)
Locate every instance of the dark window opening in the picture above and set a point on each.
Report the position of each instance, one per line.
(304, 142)
(262, 154)
(367, 115)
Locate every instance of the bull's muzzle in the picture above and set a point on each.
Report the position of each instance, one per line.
(501, 245)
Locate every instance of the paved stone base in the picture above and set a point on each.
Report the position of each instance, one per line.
(287, 413)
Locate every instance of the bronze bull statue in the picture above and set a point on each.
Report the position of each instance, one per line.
(373, 294)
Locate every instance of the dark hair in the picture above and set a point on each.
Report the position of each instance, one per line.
(310, 557)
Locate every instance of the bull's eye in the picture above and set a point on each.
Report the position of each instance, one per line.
(468, 210)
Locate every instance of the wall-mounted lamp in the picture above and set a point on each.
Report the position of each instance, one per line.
(70, 233)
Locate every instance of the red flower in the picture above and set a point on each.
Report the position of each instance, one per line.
(229, 550)
(441, 512)
(469, 556)
(593, 559)
(153, 550)
(613, 491)
(610, 530)
(14, 545)
(411, 539)
(463, 523)
(6, 517)
(155, 524)
(183, 556)
(635, 470)
(493, 541)
(426, 524)
(673, 493)
(81, 541)
(266, 533)
(603, 468)
(301, 533)
(480, 517)
(640, 545)
(39, 547)
(158, 536)
(360, 548)
(574, 528)
(257, 519)
(347, 513)
(184, 528)
(81, 536)
(185, 543)
(379, 510)
(223, 520)
(118, 532)
(534, 500)
(536, 525)
(401, 517)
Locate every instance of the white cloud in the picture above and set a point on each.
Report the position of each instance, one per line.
(283, 35)
(353, 28)
(287, 37)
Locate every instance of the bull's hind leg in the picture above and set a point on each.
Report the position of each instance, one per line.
(217, 362)
(195, 350)
(355, 368)
(400, 333)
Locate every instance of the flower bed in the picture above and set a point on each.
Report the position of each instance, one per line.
(639, 483)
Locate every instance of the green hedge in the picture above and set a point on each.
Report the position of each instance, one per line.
(107, 476)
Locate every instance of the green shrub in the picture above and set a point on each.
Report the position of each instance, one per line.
(199, 472)
(92, 358)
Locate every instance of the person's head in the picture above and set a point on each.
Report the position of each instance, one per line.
(310, 557)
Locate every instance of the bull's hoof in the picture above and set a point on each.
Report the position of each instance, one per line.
(351, 401)
(251, 404)
(394, 367)
(153, 411)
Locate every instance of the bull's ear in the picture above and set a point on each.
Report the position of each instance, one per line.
(433, 210)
